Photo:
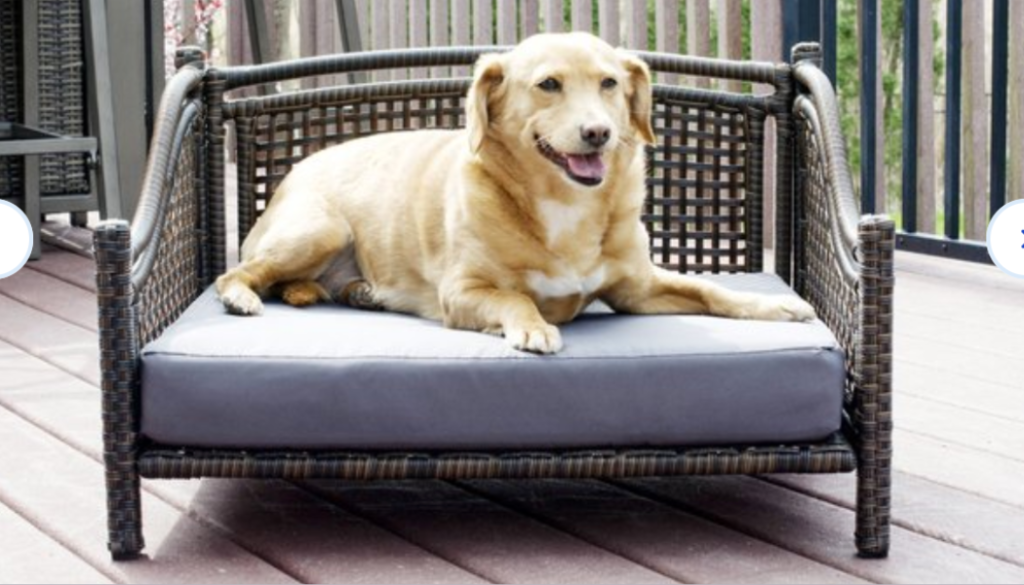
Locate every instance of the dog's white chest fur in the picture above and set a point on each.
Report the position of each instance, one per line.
(566, 284)
(559, 219)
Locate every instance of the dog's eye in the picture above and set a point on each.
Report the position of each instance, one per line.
(550, 85)
(608, 83)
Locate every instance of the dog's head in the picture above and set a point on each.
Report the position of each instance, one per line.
(563, 102)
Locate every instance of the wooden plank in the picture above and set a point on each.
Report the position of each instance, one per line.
(30, 556)
(483, 31)
(55, 297)
(996, 435)
(66, 266)
(365, 23)
(582, 15)
(309, 14)
(976, 364)
(398, 32)
(608, 21)
(680, 545)
(529, 16)
(554, 15)
(998, 309)
(418, 32)
(635, 14)
(766, 45)
(931, 509)
(959, 390)
(314, 540)
(462, 31)
(188, 23)
(974, 123)
(328, 37)
(822, 531)
(730, 37)
(439, 33)
(381, 34)
(971, 470)
(61, 491)
(331, 546)
(1015, 162)
(698, 35)
(485, 538)
(926, 161)
(956, 334)
(507, 27)
(963, 275)
(666, 37)
(66, 346)
(381, 37)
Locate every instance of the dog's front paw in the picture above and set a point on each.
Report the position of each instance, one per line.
(239, 300)
(782, 308)
(542, 338)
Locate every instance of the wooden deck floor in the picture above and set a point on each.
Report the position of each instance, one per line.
(958, 503)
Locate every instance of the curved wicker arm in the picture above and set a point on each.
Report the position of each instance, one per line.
(146, 275)
(845, 269)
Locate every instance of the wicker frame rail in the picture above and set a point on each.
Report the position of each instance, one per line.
(704, 212)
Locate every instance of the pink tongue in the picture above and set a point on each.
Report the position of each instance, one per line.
(588, 166)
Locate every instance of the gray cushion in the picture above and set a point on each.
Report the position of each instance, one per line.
(335, 377)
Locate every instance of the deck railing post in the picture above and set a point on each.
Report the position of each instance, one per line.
(910, 70)
(868, 105)
(1000, 83)
(951, 203)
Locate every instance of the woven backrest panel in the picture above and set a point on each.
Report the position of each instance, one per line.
(61, 92)
(62, 105)
(10, 90)
(698, 209)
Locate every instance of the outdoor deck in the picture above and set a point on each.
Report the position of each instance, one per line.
(958, 505)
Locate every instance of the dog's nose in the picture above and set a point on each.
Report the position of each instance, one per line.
(596, 135)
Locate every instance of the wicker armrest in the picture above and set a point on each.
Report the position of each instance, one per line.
(844, 268)
(147, 273)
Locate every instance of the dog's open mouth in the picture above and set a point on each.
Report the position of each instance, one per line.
(587, 168)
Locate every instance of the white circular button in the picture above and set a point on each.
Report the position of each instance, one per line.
(1005, 238)
(15, 238)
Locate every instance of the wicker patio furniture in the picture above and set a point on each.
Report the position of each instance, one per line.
(191, 392)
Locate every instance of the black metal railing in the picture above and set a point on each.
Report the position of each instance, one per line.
(816, 20)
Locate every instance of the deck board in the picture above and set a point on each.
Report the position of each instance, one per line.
(818, 529)
(28, 555)
(66, 346)
(674, 542)
(61, 490)
(66, 266)
(47, 293)
(958, 508)
(930, 508)
(493, 541)
(966, 428)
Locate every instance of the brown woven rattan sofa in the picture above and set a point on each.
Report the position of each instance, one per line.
(705, 215)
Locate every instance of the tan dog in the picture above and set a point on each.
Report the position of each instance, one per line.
(511, 226)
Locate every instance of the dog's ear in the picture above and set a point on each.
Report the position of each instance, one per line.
(639, 95)
(488, 74)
